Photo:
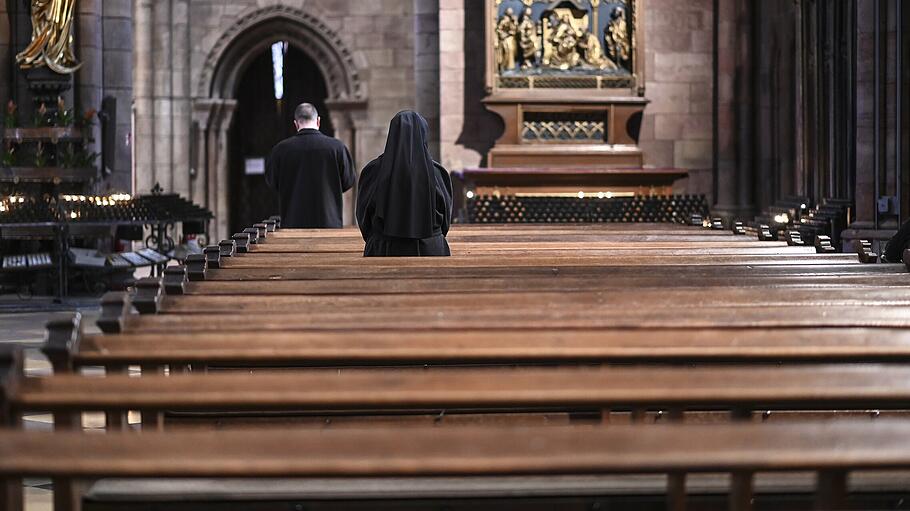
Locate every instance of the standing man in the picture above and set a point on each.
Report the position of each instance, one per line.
(310, 171)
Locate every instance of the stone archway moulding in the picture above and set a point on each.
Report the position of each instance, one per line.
(328, 50)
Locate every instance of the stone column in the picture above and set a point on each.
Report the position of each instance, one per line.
(182, 104)
(202, 110)
(426, 66)
(211, 149)
(451, 82)
(162, 94)
(222, 211)
(341, 121)
(143, 81)
(865, 193)
(89, 79)
(466, 128)
(729, 53)
(117, 18)
(745, 111)
(349, 118)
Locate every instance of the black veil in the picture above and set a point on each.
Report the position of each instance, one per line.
(405, 191)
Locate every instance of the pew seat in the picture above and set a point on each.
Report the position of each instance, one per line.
(791, 490)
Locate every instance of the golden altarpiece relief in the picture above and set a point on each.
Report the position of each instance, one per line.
(567, 77)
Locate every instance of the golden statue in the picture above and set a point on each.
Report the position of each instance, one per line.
(52, 37)
(593, 54)
(565, 44)
(529, 40)
(616, 37)
(506, 32)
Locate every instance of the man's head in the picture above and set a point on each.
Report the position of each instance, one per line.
(306, 116)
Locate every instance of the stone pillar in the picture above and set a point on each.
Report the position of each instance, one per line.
(182, 104)
(344, 131)
(89, 79)
(162, 102)
(211, 150)
(865, 193)
(143, 81)
(202, 110)
(117, 18)
(451, 82)
(222, 211)
(349, 118)
(467, 128)
(745, 112)
(426, 66)
(731, 48)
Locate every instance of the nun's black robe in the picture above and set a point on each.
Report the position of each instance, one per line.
(404, 200)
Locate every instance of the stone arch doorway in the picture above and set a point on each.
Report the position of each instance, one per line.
(216, 95)
(260, 122)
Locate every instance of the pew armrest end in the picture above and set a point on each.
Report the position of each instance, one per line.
(149, 292)
(175, 280)
(212, 255)
(866, 254)
(62, 340)
(195, 267)
(242, 242)
(115, 307)
(12, 371)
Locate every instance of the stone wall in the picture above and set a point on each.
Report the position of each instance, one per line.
(677, 126)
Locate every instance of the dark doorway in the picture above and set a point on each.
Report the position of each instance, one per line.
(261, 121)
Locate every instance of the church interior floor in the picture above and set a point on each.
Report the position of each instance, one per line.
(27, 329)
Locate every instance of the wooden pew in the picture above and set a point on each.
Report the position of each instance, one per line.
(830, 449)
(777, 316)
(593, 301)
(737, 389)
(501, 237)
(376, 348)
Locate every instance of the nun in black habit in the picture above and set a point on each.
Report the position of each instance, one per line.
(404, 199)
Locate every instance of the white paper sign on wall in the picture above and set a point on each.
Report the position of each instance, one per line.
(255, 166)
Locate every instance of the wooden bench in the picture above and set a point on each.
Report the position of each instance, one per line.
(372, 348)
(738, 389)
(831, 449)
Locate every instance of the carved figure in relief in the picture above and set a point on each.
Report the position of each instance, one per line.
(506, 41)
(565, 44)
(592, 52)
(529, 35)
(52, 37)
(616, 37)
